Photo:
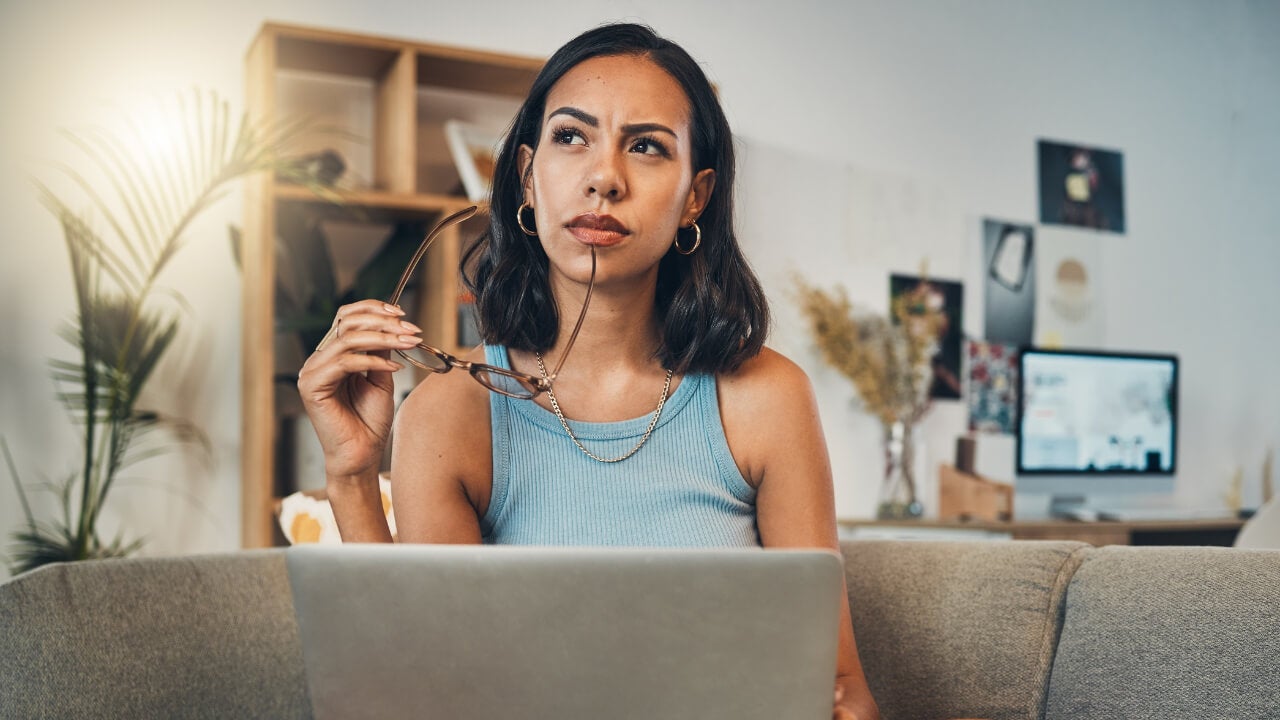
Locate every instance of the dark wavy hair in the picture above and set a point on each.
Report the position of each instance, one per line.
(712, 310)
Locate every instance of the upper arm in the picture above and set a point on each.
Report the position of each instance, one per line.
(771, 420)
(775, 433)
(441, 462)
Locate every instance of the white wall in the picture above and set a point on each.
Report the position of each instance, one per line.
(944, 97)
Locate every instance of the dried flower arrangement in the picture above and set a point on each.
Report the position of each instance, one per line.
(886, 358)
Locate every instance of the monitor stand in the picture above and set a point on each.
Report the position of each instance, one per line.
(1067, 507)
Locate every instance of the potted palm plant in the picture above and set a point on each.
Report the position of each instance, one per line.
(141, 202)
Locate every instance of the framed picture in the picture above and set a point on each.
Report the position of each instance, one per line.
(993, 386)
(1009, 282)
(946, 297)
(475, 150)
(1081, 186)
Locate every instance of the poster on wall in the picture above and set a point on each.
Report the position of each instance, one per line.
(947, 298)
(1069, 275)
(1081, 186)
(1009, 282)
(993, 386)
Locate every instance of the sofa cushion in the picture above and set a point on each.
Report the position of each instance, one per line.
(1170, 633)
(194, 637)
(957, 629)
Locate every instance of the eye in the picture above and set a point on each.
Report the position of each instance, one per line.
(567, 136)
(649, 146)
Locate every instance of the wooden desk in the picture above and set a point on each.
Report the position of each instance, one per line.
(1146, 532)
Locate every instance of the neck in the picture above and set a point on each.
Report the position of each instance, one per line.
(619, 333)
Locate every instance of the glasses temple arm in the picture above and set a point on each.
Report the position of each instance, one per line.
(586, 301)
(457, 217)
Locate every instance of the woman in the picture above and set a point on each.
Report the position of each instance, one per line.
(615, 185)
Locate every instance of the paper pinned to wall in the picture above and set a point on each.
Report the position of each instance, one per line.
(1070, 278)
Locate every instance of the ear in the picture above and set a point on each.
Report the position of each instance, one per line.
(704, 183)
(525, 162)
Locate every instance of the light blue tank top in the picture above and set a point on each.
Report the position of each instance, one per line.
(682, 489)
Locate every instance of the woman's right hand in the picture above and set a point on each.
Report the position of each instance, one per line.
(347, 389)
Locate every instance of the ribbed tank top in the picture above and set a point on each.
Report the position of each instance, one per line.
(682, 489)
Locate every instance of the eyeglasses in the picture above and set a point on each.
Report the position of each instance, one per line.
(500, 380)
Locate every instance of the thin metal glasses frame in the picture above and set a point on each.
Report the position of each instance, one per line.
(531, 385)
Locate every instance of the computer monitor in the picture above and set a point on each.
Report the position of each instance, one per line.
(1096, 423)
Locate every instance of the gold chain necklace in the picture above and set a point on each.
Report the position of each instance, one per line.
(653, 422)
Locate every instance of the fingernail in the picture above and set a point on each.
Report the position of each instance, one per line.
(392, 309)
(409, 339)
(410, 327)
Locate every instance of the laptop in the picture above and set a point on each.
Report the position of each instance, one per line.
(483, 632)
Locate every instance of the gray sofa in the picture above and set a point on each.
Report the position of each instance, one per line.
(993, 630)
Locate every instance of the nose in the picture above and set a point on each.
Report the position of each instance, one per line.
(606, 177)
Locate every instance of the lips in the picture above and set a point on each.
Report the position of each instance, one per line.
(595, 229)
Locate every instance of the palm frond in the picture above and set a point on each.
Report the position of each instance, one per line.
(143, 196)
(86, 246)
(128, 188)
(146, 423)
(33, 548)
(17, 483)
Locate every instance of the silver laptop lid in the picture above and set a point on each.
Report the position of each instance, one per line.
(477, 632)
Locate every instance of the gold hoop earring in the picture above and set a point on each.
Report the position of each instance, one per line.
(520, 220)
(697, 239)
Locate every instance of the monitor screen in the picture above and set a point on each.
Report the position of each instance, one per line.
(1097, 413)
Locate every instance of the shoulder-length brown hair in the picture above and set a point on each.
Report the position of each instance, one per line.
(712, 311)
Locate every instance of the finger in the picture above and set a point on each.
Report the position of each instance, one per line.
(353, 312)
(375, 321)
(370, 341)
(376, 307)
(363, 341)
(317, 381)
(382, 378)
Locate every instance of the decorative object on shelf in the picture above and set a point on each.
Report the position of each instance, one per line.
(966, 496)
(889, 365)
(898, 500)
(474, 150)
(307, 517)
(324, 168)
(149, 182)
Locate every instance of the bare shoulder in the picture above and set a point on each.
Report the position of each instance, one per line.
(767, 407)
(770, 377)
(442, 437)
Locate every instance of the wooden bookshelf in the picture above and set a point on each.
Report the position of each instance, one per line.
(399, 76)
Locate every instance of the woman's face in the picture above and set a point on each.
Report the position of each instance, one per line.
(614, 169)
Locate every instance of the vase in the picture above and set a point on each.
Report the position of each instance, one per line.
(898, 499)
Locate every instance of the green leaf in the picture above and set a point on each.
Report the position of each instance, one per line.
(142, 201)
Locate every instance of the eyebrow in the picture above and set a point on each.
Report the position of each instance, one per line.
(591, 120)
